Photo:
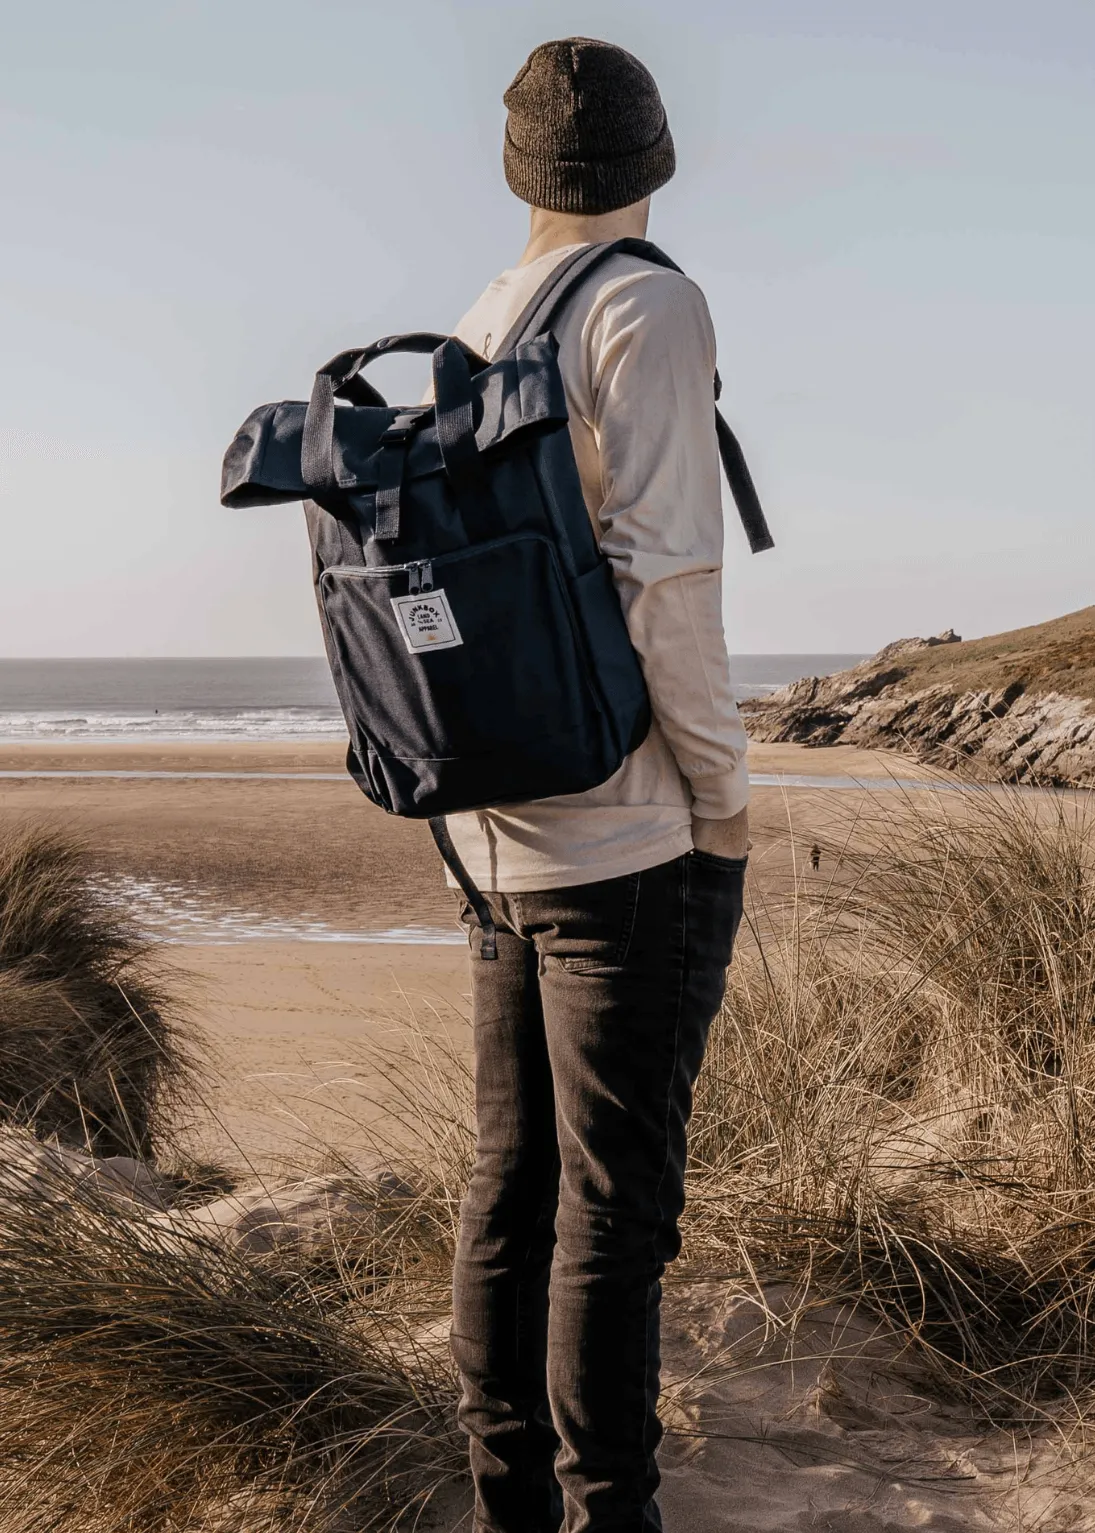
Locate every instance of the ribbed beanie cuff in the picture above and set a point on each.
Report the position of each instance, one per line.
(587, 131)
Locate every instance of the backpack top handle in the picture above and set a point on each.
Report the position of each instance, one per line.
(338, 379)
(454, 416)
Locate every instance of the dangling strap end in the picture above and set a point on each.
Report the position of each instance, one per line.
(742, 488)
(488, 946)
(759, 542)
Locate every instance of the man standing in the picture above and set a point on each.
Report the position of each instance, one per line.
(617, 908)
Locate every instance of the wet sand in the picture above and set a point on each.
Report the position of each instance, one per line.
(267, 886)
(287, 846)
(330, 756)
(300, 847)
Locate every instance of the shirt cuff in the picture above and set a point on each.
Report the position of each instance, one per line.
(721, 797)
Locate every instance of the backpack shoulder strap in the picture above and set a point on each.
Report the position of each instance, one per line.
(544, 308)
(564, 280)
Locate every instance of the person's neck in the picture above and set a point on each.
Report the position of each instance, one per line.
(553, 231)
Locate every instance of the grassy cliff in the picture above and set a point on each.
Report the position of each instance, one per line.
(1014, 707)
(1058, 656)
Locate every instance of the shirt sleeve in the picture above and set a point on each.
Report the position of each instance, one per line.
(651, 355)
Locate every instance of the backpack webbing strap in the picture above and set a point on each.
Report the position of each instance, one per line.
(389, 487)
(488, 948)
(740, 480)
(454, 413)
(543, 309)
(559, 285)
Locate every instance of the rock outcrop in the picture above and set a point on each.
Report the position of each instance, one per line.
(308, 1217)
(911, 646)
(996, 709)
(56, 1172)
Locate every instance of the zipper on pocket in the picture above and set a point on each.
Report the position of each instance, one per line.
(419, 577)
(419, 574)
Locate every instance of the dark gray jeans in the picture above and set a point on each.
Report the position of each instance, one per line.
(590, 1030)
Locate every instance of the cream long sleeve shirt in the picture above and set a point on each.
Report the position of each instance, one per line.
(637, 356)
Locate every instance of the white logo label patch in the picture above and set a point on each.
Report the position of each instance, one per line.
(426, 621)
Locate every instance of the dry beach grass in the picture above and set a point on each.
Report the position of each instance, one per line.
(895, 1119)
(899, 1103)
(91, 1050)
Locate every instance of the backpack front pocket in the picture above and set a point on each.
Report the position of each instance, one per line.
(471, 654)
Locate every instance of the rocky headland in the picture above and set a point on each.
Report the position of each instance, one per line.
(1015, 707)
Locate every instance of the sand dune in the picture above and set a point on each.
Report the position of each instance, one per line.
(774, 1425)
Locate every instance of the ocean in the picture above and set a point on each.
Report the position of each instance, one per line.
(236, 699)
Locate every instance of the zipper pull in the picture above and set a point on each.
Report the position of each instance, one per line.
(414, 579)
(427, 576)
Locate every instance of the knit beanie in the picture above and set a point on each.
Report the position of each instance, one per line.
(586, 131)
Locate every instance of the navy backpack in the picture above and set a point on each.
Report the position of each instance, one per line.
(472, 627)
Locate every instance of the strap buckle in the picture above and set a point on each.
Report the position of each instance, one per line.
(394, 441)
(402, 428)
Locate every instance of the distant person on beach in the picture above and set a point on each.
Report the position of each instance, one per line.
(616, 908)
(815, 857)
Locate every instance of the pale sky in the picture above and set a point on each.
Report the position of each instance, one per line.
(890, 205)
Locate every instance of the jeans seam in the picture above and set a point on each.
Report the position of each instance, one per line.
(683, 890)
(578, 963)
(631, 912)
(518, 924)
(517, 1355)
(713, 859)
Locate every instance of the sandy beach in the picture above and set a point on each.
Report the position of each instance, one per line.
(283, 895)
(315, 946)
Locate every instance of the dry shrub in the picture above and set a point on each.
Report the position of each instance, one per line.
(426, 1137)
(90, 1051)
(157, 1376)
(157, 1382)
(899, 1100)
(897, 1108)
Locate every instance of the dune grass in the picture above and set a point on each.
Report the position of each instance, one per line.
(91, 1052)
(899, 1100)
(152, 1379)
(897, 1110)
(153, 1374)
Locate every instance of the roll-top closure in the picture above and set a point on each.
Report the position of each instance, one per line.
(519, 392)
